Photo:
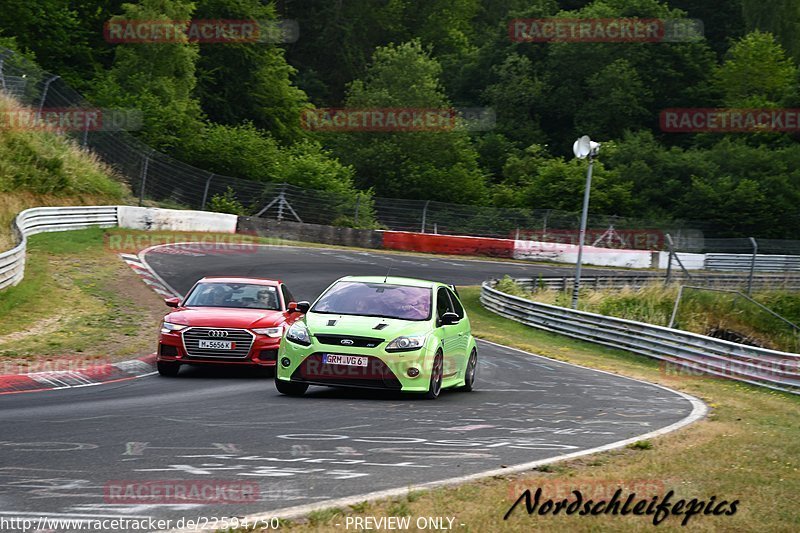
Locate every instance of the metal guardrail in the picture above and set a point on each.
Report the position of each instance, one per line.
(636, 281)
(682, 349)
(759, 263)
(44, 219)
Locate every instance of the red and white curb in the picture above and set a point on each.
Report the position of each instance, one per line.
(67, 379)
(151, 279)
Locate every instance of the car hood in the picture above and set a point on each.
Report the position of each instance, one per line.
(220, 317)
(364, 326)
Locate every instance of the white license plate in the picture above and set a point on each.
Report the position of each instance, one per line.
(347, 360)
(217, 345)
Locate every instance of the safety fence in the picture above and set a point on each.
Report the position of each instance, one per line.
(687, 353)
(43, 219)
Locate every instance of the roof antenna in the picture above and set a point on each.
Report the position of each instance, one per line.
(387, 274)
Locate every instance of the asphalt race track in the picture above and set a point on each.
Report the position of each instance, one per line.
(60, 449)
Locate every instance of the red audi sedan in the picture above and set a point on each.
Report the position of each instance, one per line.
(226, 320)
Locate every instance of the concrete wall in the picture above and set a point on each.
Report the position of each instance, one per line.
(295, 231)
(145, 218)
(690, 261)
(568, 253)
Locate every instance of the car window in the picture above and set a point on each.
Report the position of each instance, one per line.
(287, 295)
(236, 295)
(457, 307)
(376, 299)
(443, 304)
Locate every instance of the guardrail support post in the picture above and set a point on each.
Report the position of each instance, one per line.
(44, 95)
(205, 192)
(424, 214)
(669, 260)
(144, 179)
(752, 266)
(675, 307)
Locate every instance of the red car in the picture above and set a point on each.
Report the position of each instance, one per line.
(231, 321)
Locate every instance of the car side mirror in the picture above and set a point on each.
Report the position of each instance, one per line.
(450, 318)
(173, 302)
(299, 307)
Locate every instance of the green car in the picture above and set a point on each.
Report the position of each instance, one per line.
(386, 333)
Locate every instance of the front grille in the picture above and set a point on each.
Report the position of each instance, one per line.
(376, 375)
(356, 342)
(167, 350)
(268, 355)
(243, 339)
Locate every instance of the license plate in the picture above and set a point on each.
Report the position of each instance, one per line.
(217, 345)
(347, 360)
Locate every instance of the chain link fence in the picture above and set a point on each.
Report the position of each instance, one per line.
(152, 175)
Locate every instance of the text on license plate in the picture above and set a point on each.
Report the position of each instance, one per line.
(217, 345)
(349, 360)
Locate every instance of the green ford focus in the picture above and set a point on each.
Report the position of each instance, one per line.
(387, 333)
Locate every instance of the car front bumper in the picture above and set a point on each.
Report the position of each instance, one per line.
(263, 352)
(384, 370)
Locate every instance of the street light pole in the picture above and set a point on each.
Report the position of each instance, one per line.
(583, 147)
(582, 235)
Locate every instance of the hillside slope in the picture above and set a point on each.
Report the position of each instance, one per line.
(43, 168)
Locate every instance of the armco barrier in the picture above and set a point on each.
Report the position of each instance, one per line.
(744, 262)
(43, 219)
(447, 244)
(636, 281)
(758, 366)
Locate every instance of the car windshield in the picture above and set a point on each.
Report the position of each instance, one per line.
(236, 295)
(376, 299)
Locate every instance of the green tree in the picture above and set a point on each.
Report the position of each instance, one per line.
(156, 78)
(537, 180)
(755, 73)
(54, 32)
(779, 17)
(440, 165)
(249, 80)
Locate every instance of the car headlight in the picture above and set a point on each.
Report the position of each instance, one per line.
(270, 332)
(298, 333)
(406, 343)
(168, 327)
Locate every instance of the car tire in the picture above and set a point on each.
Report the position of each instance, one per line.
(169, 370)
(437, 372)
(290, 389)
(469, 372)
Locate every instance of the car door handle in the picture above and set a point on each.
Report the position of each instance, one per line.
(461, 334)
